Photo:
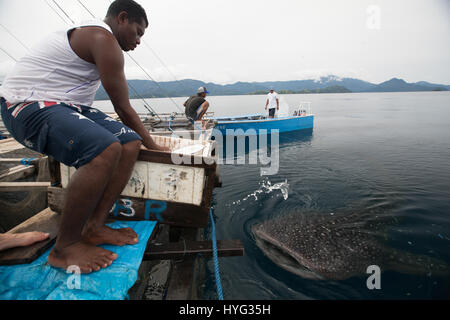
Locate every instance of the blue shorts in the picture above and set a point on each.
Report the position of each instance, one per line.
(272, 112)
(72, 134)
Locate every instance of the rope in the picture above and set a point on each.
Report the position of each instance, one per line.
(215, 257)
(56, 12)
(170, 128)
(8, 54)
(12, 35)
(56, 3)
(27, 161)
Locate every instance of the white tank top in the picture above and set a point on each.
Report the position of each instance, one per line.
(52, 71)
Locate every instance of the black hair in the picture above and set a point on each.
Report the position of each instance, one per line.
(135, 12)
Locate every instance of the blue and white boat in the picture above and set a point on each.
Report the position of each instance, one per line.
(301, 119)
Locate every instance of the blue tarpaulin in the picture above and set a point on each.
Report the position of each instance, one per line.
(40, 281)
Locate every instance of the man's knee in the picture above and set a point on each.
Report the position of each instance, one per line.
(132, 147)
(114, 150)
(109, 157)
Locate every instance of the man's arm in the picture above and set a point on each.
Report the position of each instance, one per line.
(278, 104)
(107, 55)
(267, 103)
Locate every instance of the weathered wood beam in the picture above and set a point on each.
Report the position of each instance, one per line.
(8, 145)
(183, 279)
(55, 171)
(23, 186)
(211, 182)
(46, 221)
(16, 173)
(128, 208)
(166, 158)
(192, 249)
(18, 160)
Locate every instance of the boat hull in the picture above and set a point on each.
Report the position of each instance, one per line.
(248, 127)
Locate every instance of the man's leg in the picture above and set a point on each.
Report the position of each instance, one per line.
(73, 139)
(13, 240)
(84, 192)
(272, 113)
(95, 231)
(202, 110)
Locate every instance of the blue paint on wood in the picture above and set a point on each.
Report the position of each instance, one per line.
(156, 207)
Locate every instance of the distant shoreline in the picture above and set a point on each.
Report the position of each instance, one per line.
(263, 94)
(330, 84)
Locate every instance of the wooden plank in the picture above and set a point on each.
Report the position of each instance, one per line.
(159, 182)
(192, 249)
(179, 286)
(65, 172)
(182, 281)
(20, 153)
(129, 208)
(208, 190)
(174, 183)
(181, 160)
(16, 173)
(55, 171)
(8, 145)
(23, 186)
(46, 221)
(138, 185)
(17, 160)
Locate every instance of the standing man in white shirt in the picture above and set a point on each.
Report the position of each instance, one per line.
(272, 102)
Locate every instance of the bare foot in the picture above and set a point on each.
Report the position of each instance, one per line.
(107, 235)
(87, 257)
(10, 240)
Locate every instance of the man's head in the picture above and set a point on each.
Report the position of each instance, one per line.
(201, 92)
(271, 90)
(128, 22)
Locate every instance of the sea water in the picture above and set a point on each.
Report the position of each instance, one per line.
(384, 152)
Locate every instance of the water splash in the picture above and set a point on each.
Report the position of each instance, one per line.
(267, 187)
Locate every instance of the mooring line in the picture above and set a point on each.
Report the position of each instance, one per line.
(216, 259)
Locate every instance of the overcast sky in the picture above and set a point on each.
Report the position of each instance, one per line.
(225, 41)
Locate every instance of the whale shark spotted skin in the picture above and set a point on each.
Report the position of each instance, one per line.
(335, 246)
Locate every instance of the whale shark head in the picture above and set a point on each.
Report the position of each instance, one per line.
(282, 255)
(335, 246)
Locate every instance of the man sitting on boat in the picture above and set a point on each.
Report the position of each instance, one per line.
(196, 106)
(46, 105)
(272, 102)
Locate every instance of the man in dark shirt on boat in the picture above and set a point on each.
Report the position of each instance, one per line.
(196, 106)
(45, 104)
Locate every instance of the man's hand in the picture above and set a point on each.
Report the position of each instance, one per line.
(151, 145)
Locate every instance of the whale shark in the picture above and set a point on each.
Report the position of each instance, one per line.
(333, 246)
